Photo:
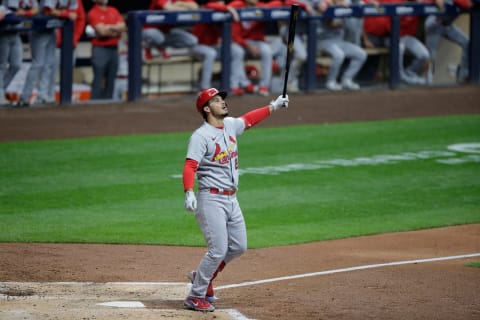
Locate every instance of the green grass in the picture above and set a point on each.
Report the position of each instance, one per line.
(473, 264)
(121, 189)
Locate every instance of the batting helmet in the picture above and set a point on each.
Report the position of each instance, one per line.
(205, 95)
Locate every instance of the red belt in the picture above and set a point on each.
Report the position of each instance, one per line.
(224, 192)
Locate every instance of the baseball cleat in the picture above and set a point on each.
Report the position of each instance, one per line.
(263, 91)
(251, 88)
(210, 296)
(198, 304)
(350, 85)
(237, 91)
(333, 85)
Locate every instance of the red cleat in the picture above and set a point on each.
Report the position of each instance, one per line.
(237, 91)
(198, 304)
(263, 91)
(251, 88)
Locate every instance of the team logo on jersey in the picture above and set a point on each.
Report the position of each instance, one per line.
(224, 156)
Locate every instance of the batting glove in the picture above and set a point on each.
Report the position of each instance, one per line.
(190, 201)
(280, 102)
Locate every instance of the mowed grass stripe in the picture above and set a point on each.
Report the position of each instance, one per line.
(121, 190)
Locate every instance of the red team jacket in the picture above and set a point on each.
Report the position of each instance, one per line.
(160, 5)
(210, 33)
(111, 15)
(381, 26)
(251, 30)
(78, 26)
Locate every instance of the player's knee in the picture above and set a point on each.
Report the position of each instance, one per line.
(338, 57)
(238, 249)
(218, 253)
(15, 67)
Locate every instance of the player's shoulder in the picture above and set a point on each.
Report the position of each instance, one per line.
(234, 124)
(203, 131)
(231, 120)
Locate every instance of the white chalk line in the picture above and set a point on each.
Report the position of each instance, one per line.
(364, 267)
(235, 314)
(238, 315)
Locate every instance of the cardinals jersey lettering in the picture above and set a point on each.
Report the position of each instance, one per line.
(216, 151)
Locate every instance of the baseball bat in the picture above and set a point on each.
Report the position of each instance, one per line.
(291, 37)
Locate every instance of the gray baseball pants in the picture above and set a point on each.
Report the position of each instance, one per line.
(105, 66)
(11, 54)
(339, 50)
(43, 58)
(434, 31)
(419, 52)
(176, 38)
(208, 55)
(223, 226)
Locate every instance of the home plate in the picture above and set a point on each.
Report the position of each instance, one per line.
(123, 304)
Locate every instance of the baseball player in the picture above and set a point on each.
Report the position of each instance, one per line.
(251, 36)
(442, 26)
(165, 35)
(299, 45)
(11, 50)
(209, 47)
(42, 44)
(109, 26)
(330, 39)
(213, 155)
(66, 11)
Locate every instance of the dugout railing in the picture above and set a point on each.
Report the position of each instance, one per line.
(14, 23)
(138, 19)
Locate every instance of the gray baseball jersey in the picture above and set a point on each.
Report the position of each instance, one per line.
(216, 151)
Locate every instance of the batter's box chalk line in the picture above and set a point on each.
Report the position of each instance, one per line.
(235, 314)
(239, 316)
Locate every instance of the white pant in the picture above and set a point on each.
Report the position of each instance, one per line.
(339, 50)
(43, 59)
(175, 38)
(11, 53)
(208, 55)
(223, 226)
(435, 30)
(419, 52)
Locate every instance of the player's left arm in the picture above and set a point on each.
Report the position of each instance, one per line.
(255, 116)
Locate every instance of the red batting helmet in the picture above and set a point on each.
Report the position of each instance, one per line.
(206, 95)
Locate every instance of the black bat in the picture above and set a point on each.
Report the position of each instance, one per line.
(291, 38)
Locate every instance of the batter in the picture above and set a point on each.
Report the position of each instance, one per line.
(213, 155)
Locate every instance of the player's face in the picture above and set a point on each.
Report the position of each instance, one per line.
(218, 107)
